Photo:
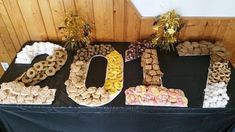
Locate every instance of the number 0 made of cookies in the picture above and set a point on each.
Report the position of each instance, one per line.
(95, 96)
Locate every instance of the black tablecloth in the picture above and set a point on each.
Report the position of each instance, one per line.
(186, 73)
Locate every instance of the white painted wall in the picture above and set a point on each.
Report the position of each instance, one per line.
(208, 8)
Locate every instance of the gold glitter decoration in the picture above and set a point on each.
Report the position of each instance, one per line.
(76, 31)
(166, 28)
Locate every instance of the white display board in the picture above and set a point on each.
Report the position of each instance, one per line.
(195, 8)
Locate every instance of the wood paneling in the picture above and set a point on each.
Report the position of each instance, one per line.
(112, 20)
(4, 53)
(70, 6)
(9, 26)
(222, 28)
(118, 19)
(210, 30)
(146, 31)
(85, 8)
(233, 59)
(104, 27)
(6, 39)
(132, 22)
(48, 19)
(33, 19)
(228, 39)
(14, 12)
(193, 29)
(58, 13)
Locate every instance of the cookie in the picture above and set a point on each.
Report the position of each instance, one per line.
(50, 71)
(51, 58)
(38, 66)
(31, 73)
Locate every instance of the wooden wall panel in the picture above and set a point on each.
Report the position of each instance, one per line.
(146, 28)
(85, 8)
(70, 6)
(233, 59)
(33, 19)
(104, 27)
(9, 26)
(1, 69)
(118, 19)
(5, 37)
(221, 29)
(112, 20)
(229, 39)
(48, 19)
(17, 20)
(211, 29)
(194, 29)
(58, 13)
(132, 23)
(5, 57)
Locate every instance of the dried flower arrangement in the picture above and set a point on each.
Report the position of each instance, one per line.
(166, 28)
(76, 31)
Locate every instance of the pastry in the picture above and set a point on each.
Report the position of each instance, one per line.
(60, 62)
(59, 53)
(36, 77)
(51, 63)
(29, 52)
(85, 54)
(94, 96)
(42, 69)
(44, 63)
(136, 49)
(26, 79)
(151, 70)
(217, 81)
(17, 93)
(57, 67)
(30, 73)
(38, 66)
(216, 51)
(51, 58)
(50, 71)
(155, 96)
(42, 76)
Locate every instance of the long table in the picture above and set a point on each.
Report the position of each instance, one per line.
(186, 73)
